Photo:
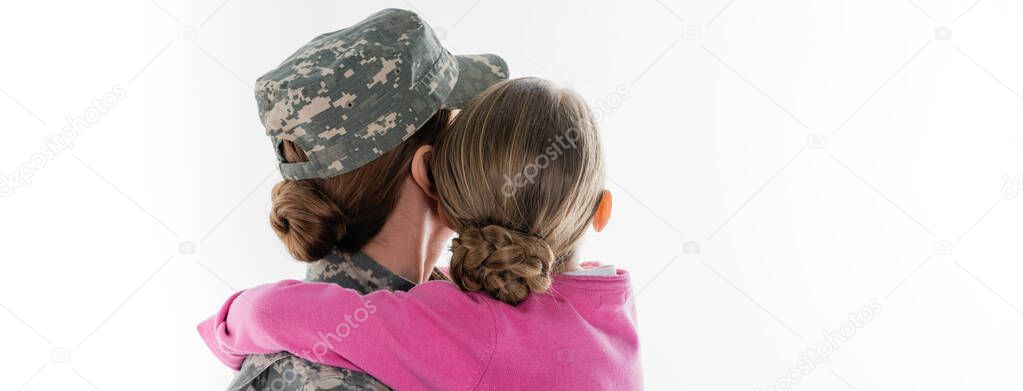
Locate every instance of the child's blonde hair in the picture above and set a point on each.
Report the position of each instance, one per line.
(519, 174)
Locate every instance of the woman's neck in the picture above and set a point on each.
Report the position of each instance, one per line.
(412, 238)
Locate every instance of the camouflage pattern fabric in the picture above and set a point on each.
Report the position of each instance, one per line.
(286, 372)
(349, 96)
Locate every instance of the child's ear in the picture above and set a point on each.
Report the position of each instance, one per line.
(603, 214)
(421, 170)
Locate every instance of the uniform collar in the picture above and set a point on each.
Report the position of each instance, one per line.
(356, 271)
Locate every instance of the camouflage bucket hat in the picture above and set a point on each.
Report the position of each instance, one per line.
(349, 96)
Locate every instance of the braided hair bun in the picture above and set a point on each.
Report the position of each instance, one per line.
(504, 263)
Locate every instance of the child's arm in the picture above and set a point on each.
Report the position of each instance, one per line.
(434, 335)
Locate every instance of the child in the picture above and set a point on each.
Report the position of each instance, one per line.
(519, 176)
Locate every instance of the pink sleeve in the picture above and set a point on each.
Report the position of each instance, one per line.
(434, 336)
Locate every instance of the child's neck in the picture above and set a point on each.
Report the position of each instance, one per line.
(570, 265)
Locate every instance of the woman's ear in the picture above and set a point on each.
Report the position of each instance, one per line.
(603, 214)
(421, 170)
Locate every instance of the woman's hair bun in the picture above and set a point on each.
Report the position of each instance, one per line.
(308, 222)
(504, 263)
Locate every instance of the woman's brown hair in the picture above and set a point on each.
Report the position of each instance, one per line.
(314, 216)
(519, 175)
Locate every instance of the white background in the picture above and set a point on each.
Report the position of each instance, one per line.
(814, 156)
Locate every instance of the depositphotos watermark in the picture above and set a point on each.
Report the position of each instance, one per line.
(603, 107)
(821, 353)
(1011, 186)
(556, 147)
(287, 378)
(56, 143)
(352, 321)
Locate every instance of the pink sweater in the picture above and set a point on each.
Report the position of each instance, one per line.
(581, 335)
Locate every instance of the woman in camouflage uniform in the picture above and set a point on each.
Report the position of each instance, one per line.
(350, 115)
